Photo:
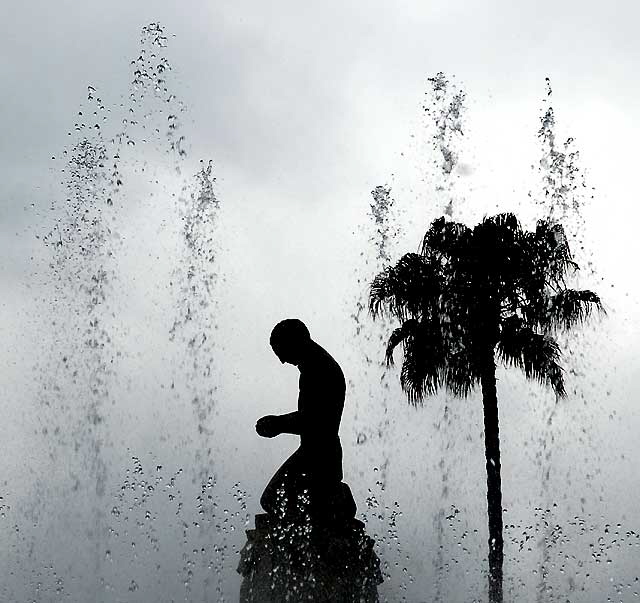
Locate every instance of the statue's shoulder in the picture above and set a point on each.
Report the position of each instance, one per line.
(326, 356)
(324, 364)
(333, 369)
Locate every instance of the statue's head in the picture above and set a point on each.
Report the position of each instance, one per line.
(289, 339)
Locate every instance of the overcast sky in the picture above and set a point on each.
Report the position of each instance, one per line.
(304, 108)
(309, 104)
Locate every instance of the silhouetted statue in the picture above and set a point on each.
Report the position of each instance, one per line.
(308, 546)
(316, 467)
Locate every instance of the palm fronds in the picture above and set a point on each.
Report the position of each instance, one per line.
(495, 286)
(403, 290)
(537, 354)
(407, 329)
(571, 307)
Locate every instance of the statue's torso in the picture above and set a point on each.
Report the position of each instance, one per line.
(321, 397)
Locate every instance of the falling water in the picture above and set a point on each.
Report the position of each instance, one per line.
(82, 365)
(564, 190)
(381, 230)
(195, 282)
(194, 330)
(102, 175)
(562, 198)
(444, 108)
(374, 395)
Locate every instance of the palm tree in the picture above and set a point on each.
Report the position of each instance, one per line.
(472, 294)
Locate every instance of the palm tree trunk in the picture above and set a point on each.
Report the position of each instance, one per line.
(494, 486)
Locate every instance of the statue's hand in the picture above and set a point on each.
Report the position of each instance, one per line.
(267, 427)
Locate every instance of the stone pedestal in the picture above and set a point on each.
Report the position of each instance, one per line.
(328, 561)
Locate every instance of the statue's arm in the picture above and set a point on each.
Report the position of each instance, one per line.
(289, 423)
(273, 425)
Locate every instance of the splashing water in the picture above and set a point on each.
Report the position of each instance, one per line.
(373, 391)
(563, 181)
(195, 328)
(445, 111)
(562, 198)
(80, 373)
(380, 231)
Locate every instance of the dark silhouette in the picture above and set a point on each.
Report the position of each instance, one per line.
(317, 464)
(468, 294)
(308, 546)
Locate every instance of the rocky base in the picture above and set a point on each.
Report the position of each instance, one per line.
(308, 561)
